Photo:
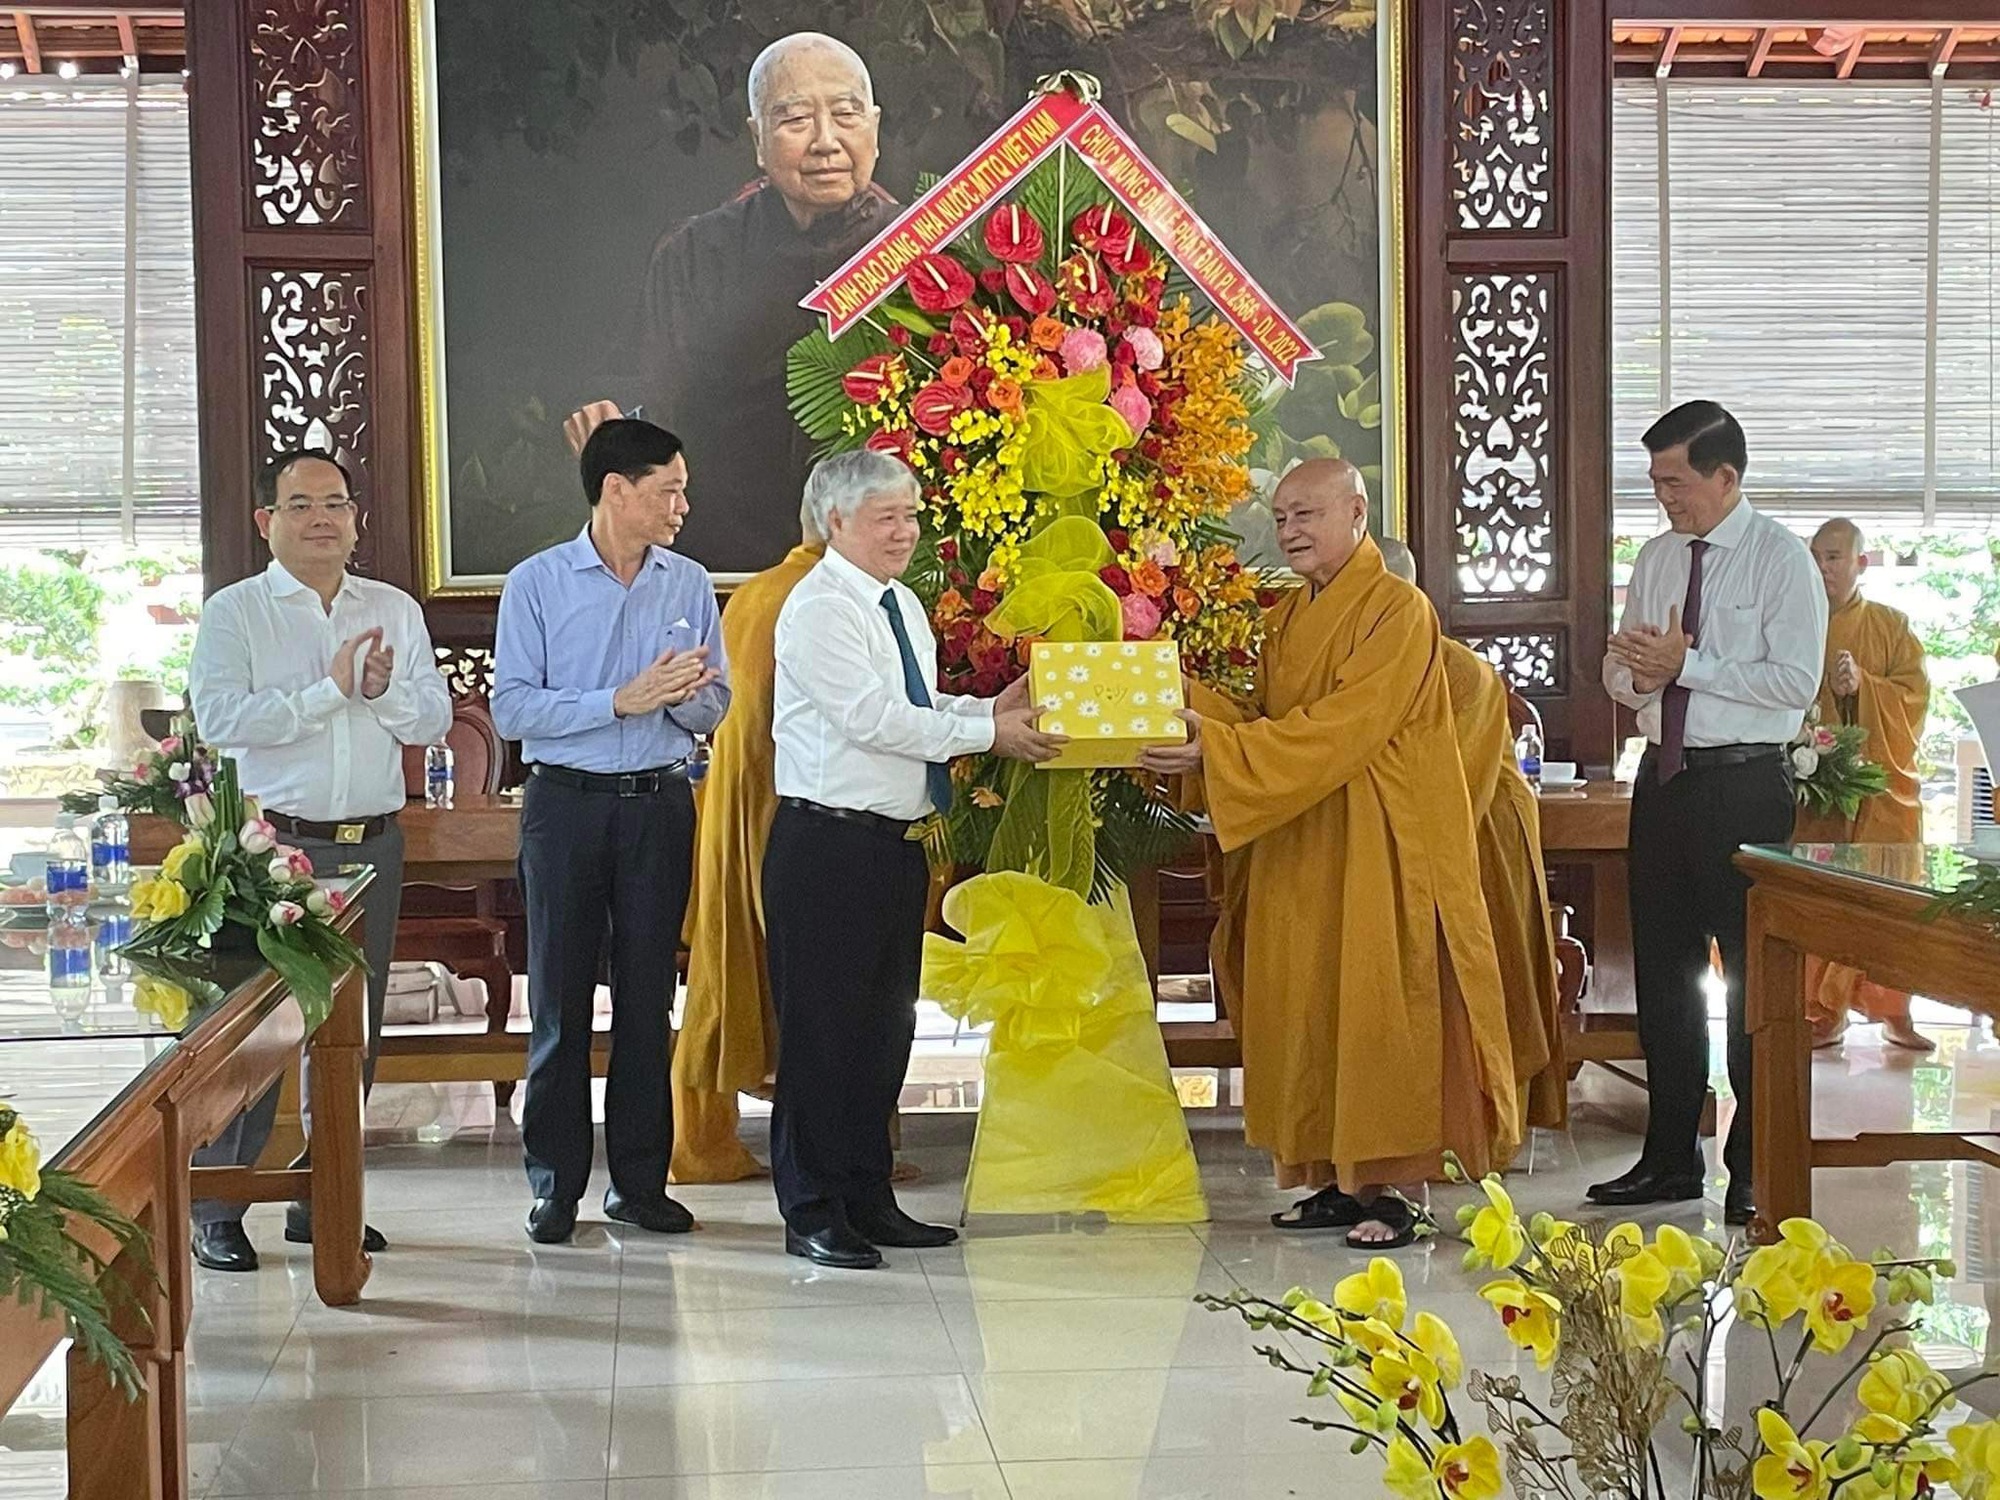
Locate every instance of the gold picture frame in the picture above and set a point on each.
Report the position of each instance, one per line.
(440, 580)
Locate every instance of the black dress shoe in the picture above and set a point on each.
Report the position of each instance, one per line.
(1739, 1206)
(299, 1230)
(551, 1221)
(837, 1246)
(1646, 1184)
(223, 1247)
(657, 1214)
(897, 1230)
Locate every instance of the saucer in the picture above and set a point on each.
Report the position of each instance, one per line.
(1565, 786)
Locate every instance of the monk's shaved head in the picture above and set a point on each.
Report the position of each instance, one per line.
(1841, 552)
(1321, 510)
(815, 121)
(1398, 558)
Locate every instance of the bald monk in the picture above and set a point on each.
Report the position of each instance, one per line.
(729, 1036)
(1875, 678)
(1511, 872)
(1373, 1028)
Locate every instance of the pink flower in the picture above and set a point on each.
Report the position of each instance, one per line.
(288, 864)
(257, 837)
(170, 744)
(1824, 739)
(286, 913)
(1142, 617)
(1148, 353)
(1083, 349)
(326, 903)
(1131, 404)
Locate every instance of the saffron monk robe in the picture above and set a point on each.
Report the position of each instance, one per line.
(1373, 1026)
(1875, 677)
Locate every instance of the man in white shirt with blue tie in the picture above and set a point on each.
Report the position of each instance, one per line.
(1719, 650)
(864, 745)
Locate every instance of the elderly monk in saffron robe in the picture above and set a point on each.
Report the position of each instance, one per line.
(1875, 677)
(1373, 1027)
(1511, 871)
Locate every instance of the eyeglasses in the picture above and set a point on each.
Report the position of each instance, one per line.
(298, 510)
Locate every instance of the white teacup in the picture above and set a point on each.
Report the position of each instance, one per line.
(1558, 772)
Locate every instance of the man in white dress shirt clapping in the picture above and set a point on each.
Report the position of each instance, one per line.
(1719, 650)
(314, 679)
(864, 746)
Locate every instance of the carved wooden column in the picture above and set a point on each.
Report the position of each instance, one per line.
(1510, 339)
(301, 261)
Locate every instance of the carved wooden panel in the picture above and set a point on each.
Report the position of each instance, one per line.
(1503, 133)
(467, 670)
(312, 372)
(1534, 662)
(1503, 407)
(308, 131)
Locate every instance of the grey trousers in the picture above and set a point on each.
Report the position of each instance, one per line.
(243, 1139)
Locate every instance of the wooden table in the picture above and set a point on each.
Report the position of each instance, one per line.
(1860, 905)
(476, 838)
(120, 1099)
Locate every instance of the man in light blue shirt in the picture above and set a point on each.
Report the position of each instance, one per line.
(607, 663)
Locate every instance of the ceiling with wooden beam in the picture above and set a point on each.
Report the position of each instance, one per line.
(63, 40)
(1800, 54)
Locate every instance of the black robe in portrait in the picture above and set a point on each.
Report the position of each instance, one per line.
(721, 311)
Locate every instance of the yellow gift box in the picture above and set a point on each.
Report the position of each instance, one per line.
(1112, 699)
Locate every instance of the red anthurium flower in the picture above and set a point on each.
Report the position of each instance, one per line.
(900, 443)
(1030, 290)
(1100, 225)
(1013, 235)
(939, 283)
(938, 345)
(968, 331)
(868, 381)
(899, 335)
(1085, 289)
(1126, 257)
(934, 405)
(993, 280)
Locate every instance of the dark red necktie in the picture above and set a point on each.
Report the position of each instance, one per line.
(1674, 702)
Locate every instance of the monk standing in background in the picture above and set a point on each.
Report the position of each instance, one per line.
(1511, 871)
(1875, 678)
(1374, 1031)
(729, 1035)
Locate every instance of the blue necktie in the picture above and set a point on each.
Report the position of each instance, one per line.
(937, 778)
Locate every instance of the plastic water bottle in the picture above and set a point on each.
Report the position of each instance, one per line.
(110, 844)
(69, 880)
(437, 776)
(698, 761)
(1528, 751)
(116, 928)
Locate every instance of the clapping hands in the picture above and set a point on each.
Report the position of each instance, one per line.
(364, 662)
(674, 678)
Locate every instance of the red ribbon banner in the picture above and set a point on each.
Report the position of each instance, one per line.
(1047, 123)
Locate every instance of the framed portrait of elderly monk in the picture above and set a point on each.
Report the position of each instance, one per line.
(619, 213)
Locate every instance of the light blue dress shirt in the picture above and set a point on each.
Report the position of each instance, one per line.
(570, 635)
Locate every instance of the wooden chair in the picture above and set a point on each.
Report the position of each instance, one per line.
(458, 926)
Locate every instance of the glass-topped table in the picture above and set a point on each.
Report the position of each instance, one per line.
(1869, 907)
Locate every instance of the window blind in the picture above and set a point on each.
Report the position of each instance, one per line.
(1795, 288)
(96, 274)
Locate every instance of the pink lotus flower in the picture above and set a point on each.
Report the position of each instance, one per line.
(289, 864)
(1083, 349)
(1824, 739)
(1148, 353)
(170, 744)
(325, 903)
(257, 837)
(1131, 404)
(1142, 617)
(286, 913)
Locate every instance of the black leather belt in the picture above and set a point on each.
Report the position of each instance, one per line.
(1708, 757)
(331, 833)
(617, 784)
(899, 827)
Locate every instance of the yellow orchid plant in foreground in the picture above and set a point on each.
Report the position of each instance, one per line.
(1624, 1326)
(46, 1267)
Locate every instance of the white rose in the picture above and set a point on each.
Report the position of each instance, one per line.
(179, 770)
(1805, 760)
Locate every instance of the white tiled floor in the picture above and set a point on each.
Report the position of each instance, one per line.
(1041, 1361)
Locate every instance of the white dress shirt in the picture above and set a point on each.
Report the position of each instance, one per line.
(847, 734)
(263, 694)
(1755, 665)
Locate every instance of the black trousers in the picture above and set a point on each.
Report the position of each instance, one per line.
(594, 864)
(1685, 889)
(843, 930)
